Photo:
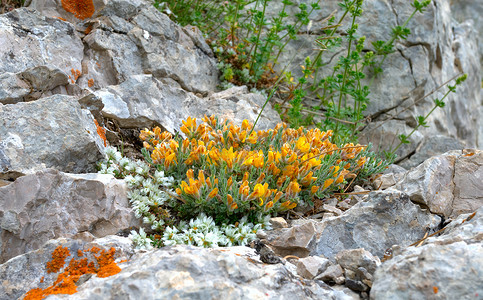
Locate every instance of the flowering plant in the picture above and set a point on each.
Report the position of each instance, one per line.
(220, 174)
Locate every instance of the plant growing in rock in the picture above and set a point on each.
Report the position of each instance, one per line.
(228, 180)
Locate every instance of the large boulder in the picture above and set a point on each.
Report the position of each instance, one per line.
(54, 132)
(446, 267)
(50, 204)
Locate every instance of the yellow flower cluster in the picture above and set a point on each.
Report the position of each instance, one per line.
(265, 171)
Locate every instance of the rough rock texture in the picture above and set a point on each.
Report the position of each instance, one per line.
(448, 184)
(29, 39)
(437, 49)
(385, 219)
(359, 266)
(50, 204)
(143, 101)
(132, 37)
(446, 267)
(53, 132)
(309, 267)
(297, 240)
(24, 272)
(180, 272)
(432, 146)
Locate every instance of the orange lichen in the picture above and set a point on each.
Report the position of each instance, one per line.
(90, 82)
(101, 132)
(80, 8)
(104, 266)
(58, 259)
(60, 18)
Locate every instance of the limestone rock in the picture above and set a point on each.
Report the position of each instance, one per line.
(24, 272)
(448, 184)
(50, 133)
(447, 267)
(359, 266)
(432, 146)
(298, 240)
(186, 272)
(143, 101)
(309, 267)
(50, 204)
(384, 219)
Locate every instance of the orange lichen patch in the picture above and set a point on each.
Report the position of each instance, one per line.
(80, 8)
(58, 259)
(103, 266)
(60, 18)
(101, 132)
(90, 82)
(435, 289)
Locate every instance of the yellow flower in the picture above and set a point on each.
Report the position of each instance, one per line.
(287, 205)
(277, 197)
(327, 183)
(229, 182)
(169, 159)
(261, 201)
(260, 191)
(314, 189)
(213, 193)
(302, 144)
(252, 138)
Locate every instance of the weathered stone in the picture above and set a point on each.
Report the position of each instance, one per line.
(358, 265)
(24, 272)
(53, 132)
(12, 88)
(384, 219)
(437, 49)
(51, 204)
(333, 274)
(44, 78)
(185, 272)
(392, 175)
(143, 101)
(468, 182)
(432, 146)
(448, 184)
(30, 40)
(298, 240)
(309, 267)
(278, 222)
(448, 267)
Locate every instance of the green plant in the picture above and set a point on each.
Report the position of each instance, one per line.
(229, 180)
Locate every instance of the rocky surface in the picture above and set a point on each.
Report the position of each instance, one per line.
(449, 266)
(437, 49)
(54, 132)
(130, 66)
(50, 204)
(448, 184)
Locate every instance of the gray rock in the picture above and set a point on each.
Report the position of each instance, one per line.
(50, 204)
(392, 175)
(437, 49)
(432, 146)
(12, 88)
(185, 272)
(24, 272)
(53, 132)
(298, 240)
(448, 184)
(144, 101)
(384, 219)
(30, 40)
(359, 265)
(446, 267)
(309, 267)
(333, 274)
